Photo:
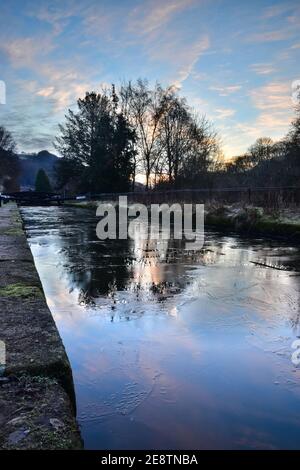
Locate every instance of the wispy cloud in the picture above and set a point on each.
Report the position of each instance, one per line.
(225, 90)
(278, 10)
(181, 56)
(25, 51)
(273, 96)
(273, 104)
(224, 113)
(269, 36)
(152, 15)
(273, 101)
(263, 69)
(57, 14)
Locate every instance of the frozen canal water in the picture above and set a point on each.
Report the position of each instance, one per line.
(172, 350)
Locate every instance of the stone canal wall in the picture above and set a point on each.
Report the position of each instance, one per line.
(37, 402)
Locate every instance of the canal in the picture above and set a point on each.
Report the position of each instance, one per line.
(172, 349)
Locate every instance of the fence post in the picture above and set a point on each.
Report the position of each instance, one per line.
(249, 195)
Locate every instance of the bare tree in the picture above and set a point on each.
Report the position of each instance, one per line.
(7, 143)
(144, 108)
(174, 134)
(261, 150)
(203, 151)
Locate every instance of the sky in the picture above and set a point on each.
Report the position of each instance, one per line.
(234, 61)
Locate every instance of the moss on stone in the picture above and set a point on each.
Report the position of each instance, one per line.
(53, 440)
(14, 231)
(20, 290)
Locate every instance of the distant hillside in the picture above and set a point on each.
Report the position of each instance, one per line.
(30, 165)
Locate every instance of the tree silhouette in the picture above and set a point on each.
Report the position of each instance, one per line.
(42, 183)
(9, 162)
(98, 143)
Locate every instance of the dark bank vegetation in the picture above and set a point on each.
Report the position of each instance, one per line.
(116, 135)
(153, 131)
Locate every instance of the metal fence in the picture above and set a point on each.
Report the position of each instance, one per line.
(272, 197)
(265, 197)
